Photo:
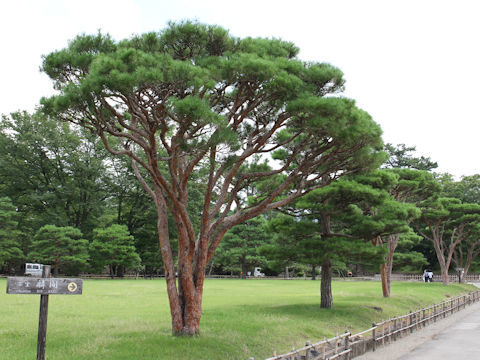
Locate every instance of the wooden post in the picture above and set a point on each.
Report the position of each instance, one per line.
(390, 331)
(374, 337)
(44, 287)
(410, 317)
(394, 328)
(307, 353)
(383, 332)
(347, 344)
(42, 320)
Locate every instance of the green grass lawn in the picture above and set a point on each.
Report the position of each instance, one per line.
(130, 319)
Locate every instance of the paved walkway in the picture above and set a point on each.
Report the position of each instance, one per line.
(452, 338)
(461, 340)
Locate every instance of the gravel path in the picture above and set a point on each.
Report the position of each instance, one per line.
(407, 344)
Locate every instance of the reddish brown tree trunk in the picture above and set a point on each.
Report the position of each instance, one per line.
(442, 263)
(386, 269)
(385, 288)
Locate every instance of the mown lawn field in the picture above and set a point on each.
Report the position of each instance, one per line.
(130, 319)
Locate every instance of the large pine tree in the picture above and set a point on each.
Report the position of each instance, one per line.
(192, 99)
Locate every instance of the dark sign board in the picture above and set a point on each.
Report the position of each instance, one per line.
(44, 286)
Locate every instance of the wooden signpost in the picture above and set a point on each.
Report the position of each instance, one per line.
(44, 287)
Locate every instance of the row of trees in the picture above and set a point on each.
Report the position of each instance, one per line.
(56, 175)
(199, 142)
(65, 247)
(47, 180)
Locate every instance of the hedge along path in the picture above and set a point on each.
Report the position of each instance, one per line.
(347, 346)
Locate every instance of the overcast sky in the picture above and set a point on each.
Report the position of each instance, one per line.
(413, 65)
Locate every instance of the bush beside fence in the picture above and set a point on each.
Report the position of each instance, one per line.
(347, 346)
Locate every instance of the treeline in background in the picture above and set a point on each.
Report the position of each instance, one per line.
(65, 201)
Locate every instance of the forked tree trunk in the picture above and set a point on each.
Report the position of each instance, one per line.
(190, 289)
(386, 269)
(444, 264)
(443, 251)
(185, 285)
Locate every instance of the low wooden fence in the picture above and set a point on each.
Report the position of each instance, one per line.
(436, 278)
(347, 346)
(395, 277)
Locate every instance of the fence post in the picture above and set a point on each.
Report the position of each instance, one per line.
(411, 320)
(347, 344)
(395, 328)
(374, 336)
(323, 348)
(383, 332)
(390, 331)
(423, 313)
(307, 354)
(336, 344)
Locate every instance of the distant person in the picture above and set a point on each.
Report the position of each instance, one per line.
(430, 276)
(425, 275)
